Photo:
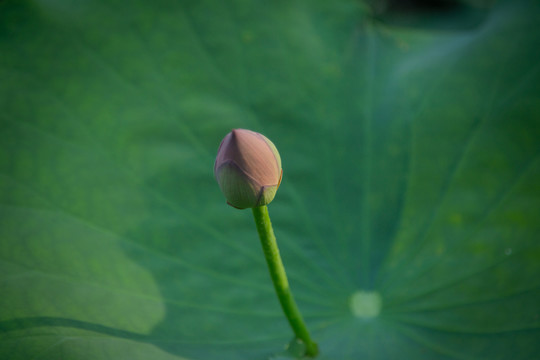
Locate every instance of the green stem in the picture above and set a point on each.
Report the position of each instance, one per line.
(279, 278)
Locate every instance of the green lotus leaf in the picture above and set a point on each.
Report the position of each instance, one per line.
(407, 217)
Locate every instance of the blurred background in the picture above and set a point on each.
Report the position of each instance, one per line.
(408, 214)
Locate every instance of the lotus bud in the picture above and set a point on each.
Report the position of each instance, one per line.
(247, 169)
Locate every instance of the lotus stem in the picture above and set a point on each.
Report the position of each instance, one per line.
(279, 278)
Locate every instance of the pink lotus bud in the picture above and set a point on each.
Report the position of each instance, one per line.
(247, 169)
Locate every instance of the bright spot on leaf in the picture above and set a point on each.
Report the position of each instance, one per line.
(365, 304)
